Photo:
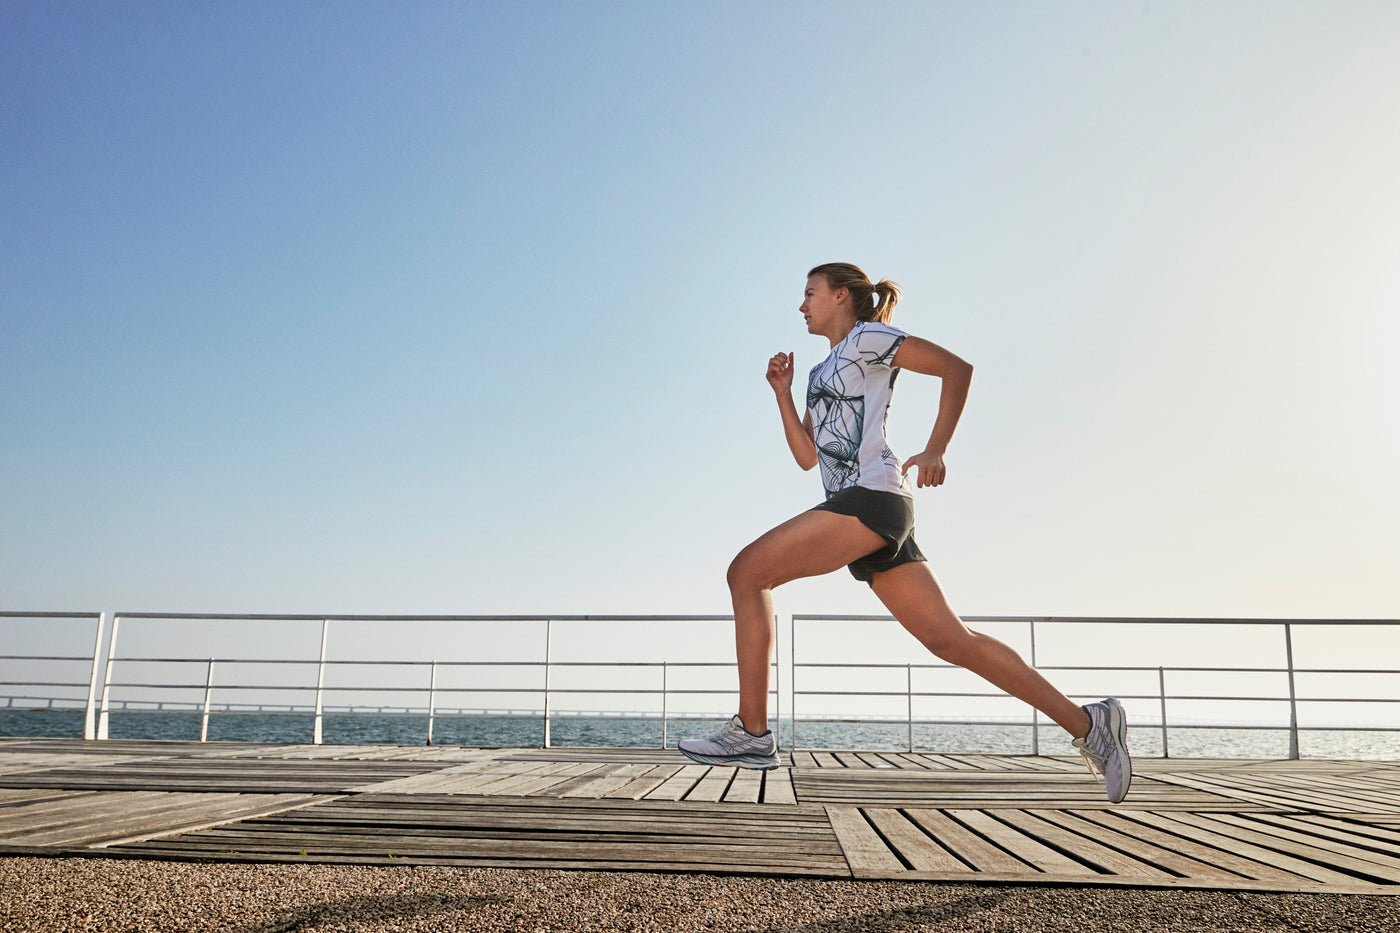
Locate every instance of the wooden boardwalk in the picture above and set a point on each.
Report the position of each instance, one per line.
(1215, 824)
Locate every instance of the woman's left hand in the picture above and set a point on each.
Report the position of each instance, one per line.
(931, 469)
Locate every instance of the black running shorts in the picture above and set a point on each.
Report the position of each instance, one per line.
(889, 515)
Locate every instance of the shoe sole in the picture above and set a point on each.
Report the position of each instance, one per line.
(1118, 728)
(752, 762)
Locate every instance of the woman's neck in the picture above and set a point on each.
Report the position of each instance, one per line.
(842, 331)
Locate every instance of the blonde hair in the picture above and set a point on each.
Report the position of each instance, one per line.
(872, 302)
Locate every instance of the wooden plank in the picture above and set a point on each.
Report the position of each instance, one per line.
(1292, 791)
(911, 843)
(407, 835)
(606, 779)
(154, 812)
(1372, 839)
(1349, 792)
(680, 783)
(481, 821)
(452, 779)
(1203, 847)
(639, 853)
(1027, 849)
(971, 848)
(1134, 845)
(85, 812)
(777, 786)
(745, 787)
(1376, 835)
(11, 799)
(1083, 848)
(123, 816)
(14, 763)
(1225, 785)
(645, 783)
(863, 848)
(873, 760)
(936, 762)
(537, 778)
(988, 789)
(899, 761)
(713, 785)
(1373, 865)
(1240, 842)
(249, 806)
(689, 811)
(834, 869)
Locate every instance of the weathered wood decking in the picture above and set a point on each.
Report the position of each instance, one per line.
(1220, 824)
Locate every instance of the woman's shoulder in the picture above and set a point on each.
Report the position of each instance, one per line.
(876, 329)
(871, 334)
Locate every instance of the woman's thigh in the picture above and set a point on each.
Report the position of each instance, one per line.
(809, 545)
(912, 595)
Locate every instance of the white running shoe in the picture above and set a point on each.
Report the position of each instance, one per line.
(1105, 748)
(733, 745)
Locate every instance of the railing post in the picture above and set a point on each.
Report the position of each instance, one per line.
(208, 694)
(1162, 690)
(90, 716)
(777, 687)
(320, 682)
(1035, 713)
(102, 719)
(432, 700)
(548, 634)
(792, 665)
(663, 704)
(1292, 694)
(909, 697)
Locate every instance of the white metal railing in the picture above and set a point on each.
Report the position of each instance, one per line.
(546, 663)
(100, 623)
(221, 678)
(1161, 697)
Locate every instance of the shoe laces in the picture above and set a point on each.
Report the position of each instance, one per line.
(1093, 762)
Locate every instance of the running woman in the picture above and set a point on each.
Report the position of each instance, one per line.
(866, 524)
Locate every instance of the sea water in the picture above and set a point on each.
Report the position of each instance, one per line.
(611, 732)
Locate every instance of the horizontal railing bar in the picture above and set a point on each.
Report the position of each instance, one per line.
(40, 683)
(1121, 696)
(377, 689)
(1123, 620)
(331, 662)
(44, 657)
(851, 665)
(302, 617)
(800, 617)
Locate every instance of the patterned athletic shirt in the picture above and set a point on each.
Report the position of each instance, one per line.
(848, 398)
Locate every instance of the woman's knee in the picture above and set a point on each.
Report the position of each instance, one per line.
(954, 644)
(746, 573)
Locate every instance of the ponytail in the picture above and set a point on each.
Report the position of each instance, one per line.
(884, 298)
(871, 302)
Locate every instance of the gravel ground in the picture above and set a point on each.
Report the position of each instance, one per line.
(126, 895)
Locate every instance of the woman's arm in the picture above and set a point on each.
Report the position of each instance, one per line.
(921, 356)
(798, 431)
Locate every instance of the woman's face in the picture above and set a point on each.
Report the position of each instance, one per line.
(821, 307)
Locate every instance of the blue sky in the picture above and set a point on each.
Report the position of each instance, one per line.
(464, 307)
